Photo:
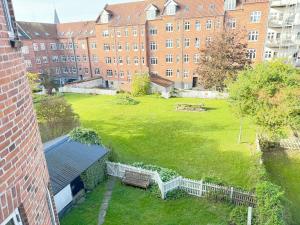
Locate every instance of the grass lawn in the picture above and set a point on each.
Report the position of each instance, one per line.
(284, 170)
(194, 144)
(86, 213)
(134, 206)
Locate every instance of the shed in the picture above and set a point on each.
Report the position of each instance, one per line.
(161, 85)
(67, 160)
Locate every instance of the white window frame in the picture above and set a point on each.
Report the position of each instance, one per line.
(169, 27)
(253, 35)
(255, 16)
(169, 43)
(15, 216)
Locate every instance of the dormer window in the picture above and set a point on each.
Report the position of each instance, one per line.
(104, 17)
(171, 7)
(151, 12)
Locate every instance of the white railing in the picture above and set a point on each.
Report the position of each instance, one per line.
(290, 143)
(192, 187)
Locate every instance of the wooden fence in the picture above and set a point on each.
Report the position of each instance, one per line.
(192, 187)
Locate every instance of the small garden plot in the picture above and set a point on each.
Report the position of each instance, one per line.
(126, 100)
(190, 107)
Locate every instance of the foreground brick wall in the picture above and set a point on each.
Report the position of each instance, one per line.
(23, 172)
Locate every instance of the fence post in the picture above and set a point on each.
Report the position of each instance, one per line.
(201, 188)
(231, 193)
(249, 218)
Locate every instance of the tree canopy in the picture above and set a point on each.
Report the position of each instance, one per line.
(270, 94)
(222, 58)
(140, 84)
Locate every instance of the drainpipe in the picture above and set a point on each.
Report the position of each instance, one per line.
(88, 55)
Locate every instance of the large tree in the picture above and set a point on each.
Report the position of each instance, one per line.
(224, 56)
(270, 94)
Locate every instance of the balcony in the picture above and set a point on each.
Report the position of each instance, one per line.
(282, 3)
(276, 23)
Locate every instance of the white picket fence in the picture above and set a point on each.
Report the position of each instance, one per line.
(192, 187)
(290, 143)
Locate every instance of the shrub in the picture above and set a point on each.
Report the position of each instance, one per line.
(154, 190)
(85, 136)
(238, 216)
(55, 116)
(126, 100)
(270, 210)
(176, 194)
(164, 173)
(140, 85)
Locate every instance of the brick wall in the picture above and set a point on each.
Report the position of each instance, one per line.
(23, 171)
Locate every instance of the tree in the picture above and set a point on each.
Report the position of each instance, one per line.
(140, 84)
(33, 79)
(48, 83)
(269, 93)
(55, 117)
(222, 59)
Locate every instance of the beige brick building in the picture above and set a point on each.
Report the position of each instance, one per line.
(24, 181)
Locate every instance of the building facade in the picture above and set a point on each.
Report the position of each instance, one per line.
(25, 187)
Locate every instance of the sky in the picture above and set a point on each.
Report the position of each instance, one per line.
(68, 10)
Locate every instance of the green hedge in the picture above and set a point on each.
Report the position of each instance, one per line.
(85, 136)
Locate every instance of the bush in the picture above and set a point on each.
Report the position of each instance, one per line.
(176, 194)
(154, 190)
(164, 173)
(126, 100)
(55, 116)
(238, 216)
(140, 85)
(270, 210)
(85, 136)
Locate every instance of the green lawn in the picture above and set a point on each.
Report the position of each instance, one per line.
(86, 213)
(134, 206)
(194, 144)
(284, 170)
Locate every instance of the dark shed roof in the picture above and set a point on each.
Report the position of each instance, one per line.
(67, 159)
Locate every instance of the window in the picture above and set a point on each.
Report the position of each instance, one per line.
(143, 60)
(153, 46)
(126, 32)
(57, 70)
(118, 33)
(95, 58)
(186, 58)
(270, 36)
(153, 31)
(169, 58)
(169, 72)
(120, 60)
(53, 46)
(171, 10)
(134, 32)
(108, 60)
(185, 73)
(251, 53)
(169, 43)
(208, 24)
(178, 59)
(25, 50)
(128, 60)
(84, 58)
(121, 74)
(255, 16)
(142, 46)
(218, 24)
(97, 71)
(42, 46)
(106, 47)
(169, 27)
(127, 48)
(298, 36)
(93, 45)
(35, 47)
(8, 19)
(38, 60)
(212, 6)
(45, 59)
(151, 14)
(109, 73)
(197, 25)
(253, 35)
(208, 41)
(186, 26)
(136, 60)
(105, 33)
(231, 23)
(196, 58)
(135, 47)
(13, 219)
(186, 42)
(197, 42)
(153, 61)
(119, 47)
(268, 54)
(28, 63)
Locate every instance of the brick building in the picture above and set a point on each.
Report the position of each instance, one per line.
(24, 181)
(66, 51)
(164, 37)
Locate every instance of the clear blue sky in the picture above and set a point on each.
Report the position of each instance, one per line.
(68, 10)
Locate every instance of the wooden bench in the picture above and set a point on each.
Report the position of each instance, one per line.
(136, 179)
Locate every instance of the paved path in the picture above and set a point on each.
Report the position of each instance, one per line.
(107, 196)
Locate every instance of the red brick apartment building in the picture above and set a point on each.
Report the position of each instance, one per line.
(160, 37)
(164, 37)
(67, 51)
(25, 198)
